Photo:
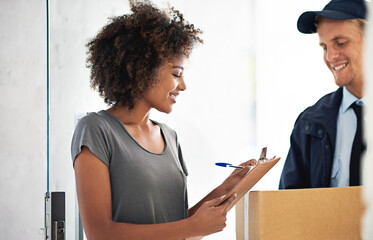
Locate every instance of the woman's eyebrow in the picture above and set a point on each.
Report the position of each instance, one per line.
(178, 67)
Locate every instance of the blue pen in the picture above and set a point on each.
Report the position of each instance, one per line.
(221, 164)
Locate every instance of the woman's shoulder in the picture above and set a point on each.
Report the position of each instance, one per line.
(93, 119)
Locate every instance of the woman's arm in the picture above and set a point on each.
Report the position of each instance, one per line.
(94, 197)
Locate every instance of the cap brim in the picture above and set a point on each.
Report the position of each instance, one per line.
(306, 21)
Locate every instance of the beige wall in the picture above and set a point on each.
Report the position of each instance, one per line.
(368, 163)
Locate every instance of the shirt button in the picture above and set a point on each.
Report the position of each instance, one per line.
(320, 132)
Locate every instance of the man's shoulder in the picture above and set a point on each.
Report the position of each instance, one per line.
(328, 102)
(332, 99)
(325, 110)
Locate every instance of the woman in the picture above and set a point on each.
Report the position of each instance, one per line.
(130, 173)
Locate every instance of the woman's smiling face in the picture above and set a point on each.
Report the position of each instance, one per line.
(170, 82)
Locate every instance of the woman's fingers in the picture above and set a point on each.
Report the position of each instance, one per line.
(251, 162)
(214, 202)
(226, 204)
(248, 164)
(239, 173)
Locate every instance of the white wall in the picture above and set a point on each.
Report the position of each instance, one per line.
(22, 119)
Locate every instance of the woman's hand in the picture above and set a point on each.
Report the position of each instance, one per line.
(236, 176)
(207, 216)
(210, 216)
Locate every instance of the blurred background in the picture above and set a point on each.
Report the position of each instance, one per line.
(246, 86)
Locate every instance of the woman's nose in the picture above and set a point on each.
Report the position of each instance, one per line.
(181, 86)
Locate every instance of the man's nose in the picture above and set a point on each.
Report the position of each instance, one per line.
(331, 54)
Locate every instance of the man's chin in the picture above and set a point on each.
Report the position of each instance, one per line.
(341, 82)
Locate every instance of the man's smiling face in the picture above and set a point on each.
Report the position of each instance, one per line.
(342, 42)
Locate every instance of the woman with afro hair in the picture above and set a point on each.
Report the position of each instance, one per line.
(130, 172)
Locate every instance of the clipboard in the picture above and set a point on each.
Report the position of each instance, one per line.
(251, 178)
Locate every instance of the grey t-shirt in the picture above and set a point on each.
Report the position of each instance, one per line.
(146, 187)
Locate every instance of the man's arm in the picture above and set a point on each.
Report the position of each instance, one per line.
(294, 174)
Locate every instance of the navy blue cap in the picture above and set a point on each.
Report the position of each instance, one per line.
(335, 9)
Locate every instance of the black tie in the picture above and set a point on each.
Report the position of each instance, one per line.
(358, 147)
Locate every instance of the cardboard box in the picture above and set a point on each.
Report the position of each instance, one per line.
(319, 213)
(241, 224)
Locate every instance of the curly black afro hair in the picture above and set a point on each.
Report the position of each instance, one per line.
(127, 52)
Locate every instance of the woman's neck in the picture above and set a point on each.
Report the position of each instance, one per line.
(136, 116)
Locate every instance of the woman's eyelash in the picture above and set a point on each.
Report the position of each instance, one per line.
(176, 75)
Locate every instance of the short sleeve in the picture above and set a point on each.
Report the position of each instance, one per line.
(91, 132)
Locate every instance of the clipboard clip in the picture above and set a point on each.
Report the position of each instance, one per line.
(263, 156)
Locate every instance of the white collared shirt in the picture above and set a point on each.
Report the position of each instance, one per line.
(346, 129)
